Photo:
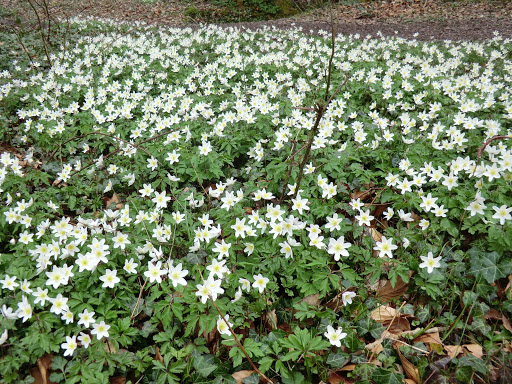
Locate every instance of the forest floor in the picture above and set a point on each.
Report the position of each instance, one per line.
(421, 19)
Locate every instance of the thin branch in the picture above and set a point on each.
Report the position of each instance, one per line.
(482, 148)
(240, 345)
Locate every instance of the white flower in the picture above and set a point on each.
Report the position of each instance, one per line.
(69, 346)
(100, 330)
(24, 311)
(300, 204)
(502, 213)
(246, 284)
(430, 262)
(260, 282)
(154, 272)
(222, 326)
(210, 288)
(8, 313)
(86, 318)
(9, 283)
(4, 337)
(59, 304)
(338, 247)
(85, 339)
(385, 247)
(347, 297)
(335, 336)
(130, 265)
(177, 274)
(120, 241)
(364, 217)
(217, 268)
(110, 278)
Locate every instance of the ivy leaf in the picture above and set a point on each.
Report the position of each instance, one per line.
(382, 376)
(252, 379)
(486, 265)
(203, 363)
(352, 342)
(337, 360)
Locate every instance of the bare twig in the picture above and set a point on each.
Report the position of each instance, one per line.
(240, 344)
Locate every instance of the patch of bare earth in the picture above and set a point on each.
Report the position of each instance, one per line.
(420, 19)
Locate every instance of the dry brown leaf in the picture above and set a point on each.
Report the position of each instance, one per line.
(113, 200)
(363, 195)
(388, 317)
(388, 293)
(334, 378)
(376, 235)
(376, 347)
(508, 288)
(158, 356)
(506, 323)
(453, 350)
(44, 364)
(117, 380)
(411, 371)
(240, 375)
(312, 300)
(109, 347)
(493, 314)
(348, 368)
(429, 338)
(271, 318)
(383, 314)
(475, 349)
(409, 381)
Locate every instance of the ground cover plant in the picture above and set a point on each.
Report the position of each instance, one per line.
(217, 205)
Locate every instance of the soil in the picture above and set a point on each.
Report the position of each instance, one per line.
(419, 19)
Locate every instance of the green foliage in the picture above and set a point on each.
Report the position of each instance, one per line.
(148, 185)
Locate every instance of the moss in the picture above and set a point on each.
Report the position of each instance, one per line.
(287, 7)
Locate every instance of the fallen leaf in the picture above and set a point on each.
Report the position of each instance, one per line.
(334, 378)
(411, 371)
(376, 235)
(312, 299)
(506, 323)
(493, 314)
(113, 200)
(388, 317)
(428, 338)
(44, 364)
(409, 381)
(475, 349)
(240, 375)
(270, 318)
(158, 356)
(388, 293)
(453, 350)
(348, 368)
(383, 314)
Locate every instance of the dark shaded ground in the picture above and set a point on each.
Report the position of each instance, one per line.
(430, 19)
(477, 29)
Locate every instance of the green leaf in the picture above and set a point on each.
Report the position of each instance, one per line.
(382, 376)
(449, 227)
(507, 306)
(464, 374)
(469, 298)
(478, 365)
(338, 360)
(252, 379)
(352, 342)
(486, 265)
(293, 378)
(203, 364)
